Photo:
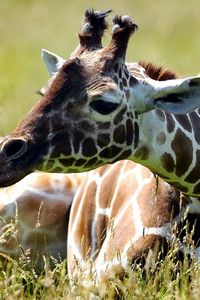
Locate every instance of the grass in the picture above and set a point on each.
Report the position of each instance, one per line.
(168, 35)
(158, 278)
(167, 279)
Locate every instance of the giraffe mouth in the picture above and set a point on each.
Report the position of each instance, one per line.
(11, 178)
(19, 158)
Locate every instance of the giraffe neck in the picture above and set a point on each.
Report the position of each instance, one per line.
(169, 146)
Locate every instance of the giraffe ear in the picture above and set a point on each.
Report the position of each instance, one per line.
(178, 96)
(52, 61)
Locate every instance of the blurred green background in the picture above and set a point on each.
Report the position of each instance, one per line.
(168, 36)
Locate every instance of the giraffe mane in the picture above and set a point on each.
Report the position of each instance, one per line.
(157, 72)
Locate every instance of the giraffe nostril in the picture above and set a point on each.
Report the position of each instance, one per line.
(14, 148)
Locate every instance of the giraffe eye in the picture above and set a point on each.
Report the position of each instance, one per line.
(103, 107)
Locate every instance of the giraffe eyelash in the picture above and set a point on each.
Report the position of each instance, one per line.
(103, 107)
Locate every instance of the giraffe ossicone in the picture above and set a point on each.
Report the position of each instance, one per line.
(97, 109)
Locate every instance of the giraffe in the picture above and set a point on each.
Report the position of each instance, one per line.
(123, 214)
(103, 221)
(98, 110)
(34, 216)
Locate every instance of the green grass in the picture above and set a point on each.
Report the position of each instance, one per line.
(168, 35)
(167, 279)
(159, 277)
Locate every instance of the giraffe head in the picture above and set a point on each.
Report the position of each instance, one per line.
(88, 115)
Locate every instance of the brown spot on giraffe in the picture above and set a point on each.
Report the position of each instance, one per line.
(128, 94)
(119, 135)
(67, 162)
(196, 189)
(126, 74)
(121, 86)
(103, 140)
(193, 176)
(107, 190)
(136, 135)
(142, 153)
(101, 227)
(57, 139)
(161, 115)
(83, 224)
(124, 82)
(116, 79)
(120, 73)
(167, 162)
(88, 147)
(80, 162)
(105, 125)
(90, 162)
(124, 155)
(129, 132)
(119, 117)
(119, 238)
(184, 121)
(132, 81)
(196, 126)
(85, 125)
(110, 152)
(170, 123)
(161, 138)
(162, 202)
(116, 67)
(180, 142)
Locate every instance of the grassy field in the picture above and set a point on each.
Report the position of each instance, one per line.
(169, 36)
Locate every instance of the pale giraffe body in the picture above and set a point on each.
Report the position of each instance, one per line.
(34, 215)
(121, 212)
(116, 215)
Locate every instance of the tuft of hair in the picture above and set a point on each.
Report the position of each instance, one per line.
(157, 72)
(94, 21)
(124, 23)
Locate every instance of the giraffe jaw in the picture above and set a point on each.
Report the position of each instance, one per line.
(10, 178)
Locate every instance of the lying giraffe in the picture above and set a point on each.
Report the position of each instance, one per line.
(34, 215)
(112, 102)
(117, 216)
(123, 211)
